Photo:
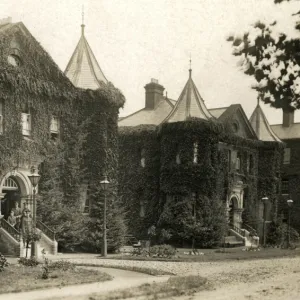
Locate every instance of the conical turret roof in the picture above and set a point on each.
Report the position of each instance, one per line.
(189, 104)
(261, 126)
(83, 69)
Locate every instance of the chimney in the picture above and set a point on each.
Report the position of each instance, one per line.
(5, 21)
(288, 118)
(154, 93)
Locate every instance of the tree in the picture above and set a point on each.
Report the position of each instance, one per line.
(273, 59)
(202, 223)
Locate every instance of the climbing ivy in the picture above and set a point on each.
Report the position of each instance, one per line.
(211, 177)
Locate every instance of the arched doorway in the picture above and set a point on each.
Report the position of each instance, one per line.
(14, 187)
(12, 194)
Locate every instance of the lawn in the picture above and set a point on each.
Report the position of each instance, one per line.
(175, 286)
(17, 278)
(217, 255)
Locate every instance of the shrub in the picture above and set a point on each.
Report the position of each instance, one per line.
(162, 251)
(61, 265)
(3, 262)
(28, 262)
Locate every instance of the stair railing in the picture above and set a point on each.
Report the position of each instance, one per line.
(10, 229)
(250, 229)
(46, 230)
(237, 229)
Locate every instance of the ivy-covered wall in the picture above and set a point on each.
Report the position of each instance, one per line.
(169, 169)
(87, 145)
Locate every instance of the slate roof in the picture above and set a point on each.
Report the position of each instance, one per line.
(287, 133)
(83, 69)
(189, 104)
(149, 116)
(261, 126)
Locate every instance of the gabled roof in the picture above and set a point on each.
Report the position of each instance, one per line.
(234, 115)
(148, 116)
(287, 133)
(261, 126)
(83, 69)
(189, 104)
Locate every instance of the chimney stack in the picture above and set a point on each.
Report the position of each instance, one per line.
(5, 21)
(288, 118)
(154, 93)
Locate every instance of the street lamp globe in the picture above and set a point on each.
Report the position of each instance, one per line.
(104, 183)
(34, 177)
(290, 202)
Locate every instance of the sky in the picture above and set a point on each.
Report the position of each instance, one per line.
(136, 40)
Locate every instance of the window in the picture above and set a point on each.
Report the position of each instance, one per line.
(143, 160)
(178, 160)
(14, 60)
(195, 153)
(287, 156)
(1, 117)
(285, 187)
(54, 127)
(26, 123)
(142, 208)
(229, 159)
(250, 164)
(238, 162)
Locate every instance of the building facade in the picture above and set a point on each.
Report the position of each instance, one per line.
(174, 150)
(47, 122)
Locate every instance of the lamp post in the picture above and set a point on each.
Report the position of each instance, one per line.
(264, 200)
(290, 204)
(104, 186)
(34, 179)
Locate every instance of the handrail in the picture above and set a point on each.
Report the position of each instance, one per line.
(237, 229)
(250, 229)
(10, 229)
(46, 230)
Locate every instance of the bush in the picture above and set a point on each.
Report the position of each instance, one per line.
(3, 262)
(162, 251)
(61, 265)
(28, 262)
(278, 234)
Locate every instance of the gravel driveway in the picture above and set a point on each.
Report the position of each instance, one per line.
(268, 279)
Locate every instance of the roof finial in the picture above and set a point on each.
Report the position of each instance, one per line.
(258, 98)
(190, 70)
(82, 24)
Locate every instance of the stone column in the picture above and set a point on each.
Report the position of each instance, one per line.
(237, 217)
(1, 197)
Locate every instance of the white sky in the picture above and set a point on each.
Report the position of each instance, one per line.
(136, 40)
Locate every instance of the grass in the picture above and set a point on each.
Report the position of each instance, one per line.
(19, 278)
(218, 255)
(153, 272)
(175, 286)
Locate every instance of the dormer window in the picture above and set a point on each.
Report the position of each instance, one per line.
(54, 127)
(26, 122)
(195, 153)
(14, 60)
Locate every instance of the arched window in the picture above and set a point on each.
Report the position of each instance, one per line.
(195, 153)
(178, 160)
(14, 60)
